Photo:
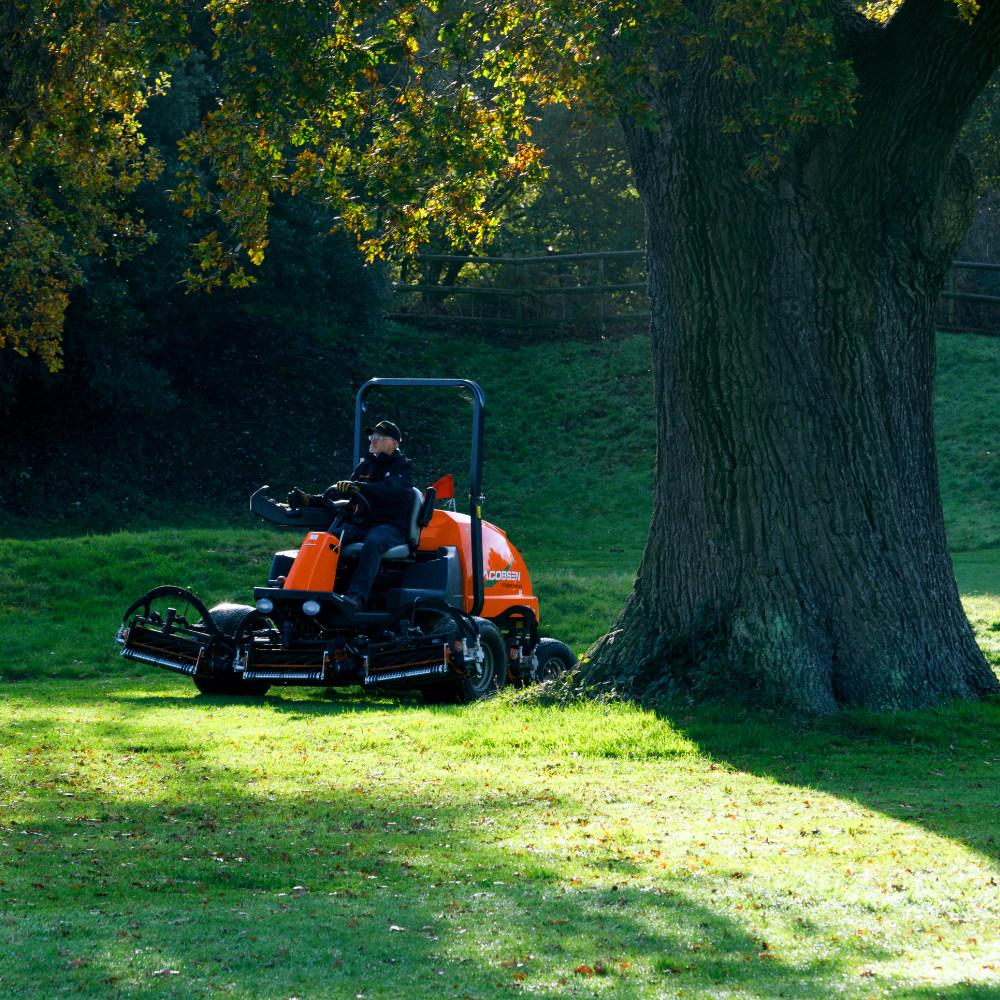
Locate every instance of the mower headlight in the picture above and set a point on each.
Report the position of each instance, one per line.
(310, 608)
(265, 605)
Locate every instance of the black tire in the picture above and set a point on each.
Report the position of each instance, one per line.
(230, 686)
(229, 620)
(491, 675)
(555, 658)
(485, 679)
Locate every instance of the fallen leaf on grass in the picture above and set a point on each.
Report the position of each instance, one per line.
(584, 970)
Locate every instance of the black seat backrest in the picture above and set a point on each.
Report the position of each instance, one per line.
(427, 507)
(417, 512)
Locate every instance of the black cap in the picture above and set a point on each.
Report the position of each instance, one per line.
(387, 429)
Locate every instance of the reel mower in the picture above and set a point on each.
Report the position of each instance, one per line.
(452, 613)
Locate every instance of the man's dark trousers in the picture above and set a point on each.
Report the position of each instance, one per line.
(377, 541)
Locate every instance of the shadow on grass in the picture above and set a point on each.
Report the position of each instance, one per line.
(346, 703)
(939, 769)
(335, 896)
(193, 881)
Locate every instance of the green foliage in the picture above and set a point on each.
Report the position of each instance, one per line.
(981, 137)
(80, 74)
(153, 370)
(587, 200)
(410, 123)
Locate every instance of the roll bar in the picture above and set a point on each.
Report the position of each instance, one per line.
(476, 459)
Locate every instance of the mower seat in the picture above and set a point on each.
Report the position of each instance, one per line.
(420, 516)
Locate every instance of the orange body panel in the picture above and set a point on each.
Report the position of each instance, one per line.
(316, 565)
(505, 576)
(506, 581)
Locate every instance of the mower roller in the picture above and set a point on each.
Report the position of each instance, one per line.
(452, 612)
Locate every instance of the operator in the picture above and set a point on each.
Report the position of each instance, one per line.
(384, 481)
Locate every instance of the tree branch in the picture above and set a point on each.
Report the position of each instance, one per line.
(921, 73)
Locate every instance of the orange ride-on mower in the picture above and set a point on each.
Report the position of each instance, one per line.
(451, 614)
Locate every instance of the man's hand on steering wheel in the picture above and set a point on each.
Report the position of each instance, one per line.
(298, 498)
(348, 490)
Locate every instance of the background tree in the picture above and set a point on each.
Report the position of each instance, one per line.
(154, 385)
(797, 547)
(981, 143)
(587, 200)
(75, 78)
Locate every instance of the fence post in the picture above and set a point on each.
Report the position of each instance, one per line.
(601, 296)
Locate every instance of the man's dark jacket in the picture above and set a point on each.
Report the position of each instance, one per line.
(387, 484)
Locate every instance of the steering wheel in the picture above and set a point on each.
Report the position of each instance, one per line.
(352, 507)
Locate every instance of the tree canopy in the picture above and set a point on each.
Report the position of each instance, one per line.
(404, 119)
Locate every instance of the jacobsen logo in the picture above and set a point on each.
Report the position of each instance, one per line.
(492, 576)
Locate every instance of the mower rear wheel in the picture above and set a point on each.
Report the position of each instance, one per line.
(484, 679)
(555, 658)
(231, 619)
(489, 676)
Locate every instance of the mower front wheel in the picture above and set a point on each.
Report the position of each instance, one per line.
(483, 678)
(490, 675)
(231, 620)
(554, 658)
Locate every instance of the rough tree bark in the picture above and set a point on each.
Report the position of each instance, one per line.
(797, 550)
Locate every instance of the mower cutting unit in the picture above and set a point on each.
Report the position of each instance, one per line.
(452, 612)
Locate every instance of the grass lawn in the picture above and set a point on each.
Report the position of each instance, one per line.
(160, 843)
(157, 843)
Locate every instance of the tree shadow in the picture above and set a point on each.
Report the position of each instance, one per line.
(335, 896)
(938, 769)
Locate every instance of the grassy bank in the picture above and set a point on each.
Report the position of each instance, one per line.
(570, 445)
(61, 599)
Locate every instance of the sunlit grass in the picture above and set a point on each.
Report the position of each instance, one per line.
(166, 844)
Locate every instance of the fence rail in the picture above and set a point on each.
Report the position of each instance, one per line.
(602, 290)
(594, 291)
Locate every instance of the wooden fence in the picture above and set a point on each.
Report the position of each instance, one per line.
(587, 291)
(595, 293)
(971, 298)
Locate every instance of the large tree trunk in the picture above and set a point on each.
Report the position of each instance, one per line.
(797, 552)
